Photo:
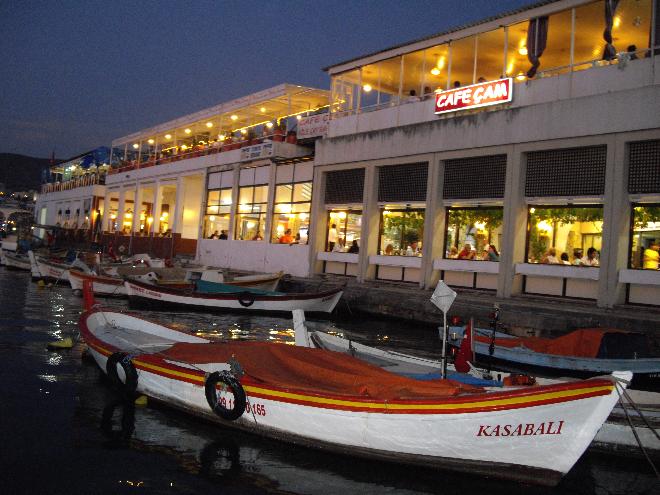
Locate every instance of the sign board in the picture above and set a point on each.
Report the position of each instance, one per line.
(312, 126)
(254, 152)
(477, 95)
(443, 297)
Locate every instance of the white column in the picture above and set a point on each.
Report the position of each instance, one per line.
(514, 225)
(156, 208)
(370, 224)
(434, 224)
(616, 225)
(137, 208)
(120, 209)
(178, 206)
(106, 211)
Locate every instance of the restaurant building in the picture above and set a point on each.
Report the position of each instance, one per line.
(517, 155)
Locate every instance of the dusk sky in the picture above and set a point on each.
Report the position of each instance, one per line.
(78, 74)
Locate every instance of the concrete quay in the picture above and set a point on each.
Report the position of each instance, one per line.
(521, 315)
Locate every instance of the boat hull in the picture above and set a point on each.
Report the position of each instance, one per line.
(532, 435)
(16, 262)
(102, 286)
(148, 296)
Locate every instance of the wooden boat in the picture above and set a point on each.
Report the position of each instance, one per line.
(335, 402)
(614, 436)
(582, 353)
(142, 294)
(15, 261)
(214, 281)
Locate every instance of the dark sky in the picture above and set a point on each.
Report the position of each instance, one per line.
(75, 75)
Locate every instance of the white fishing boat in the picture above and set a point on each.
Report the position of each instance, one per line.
(616, 434)
(141, 294)
(332, 401)
(15, 261)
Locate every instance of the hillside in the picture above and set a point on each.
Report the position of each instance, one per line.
(20, 172)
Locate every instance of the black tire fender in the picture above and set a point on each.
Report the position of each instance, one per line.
(231, 382)
(125, 361)
(246, 299)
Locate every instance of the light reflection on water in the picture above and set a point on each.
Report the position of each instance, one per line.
(60, 414)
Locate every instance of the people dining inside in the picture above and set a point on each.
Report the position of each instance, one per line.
(651, 259)
(466, 253)
(355, 248)
(591, 259)
(550, 257)
(286, 238)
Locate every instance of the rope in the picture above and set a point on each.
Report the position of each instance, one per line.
(618, 387)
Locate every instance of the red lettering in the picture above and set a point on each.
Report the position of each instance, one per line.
(517, 432)
(507, 431)
(529, 429)
(496, 431)
(540, 430)
(561, 423)
(483, 431)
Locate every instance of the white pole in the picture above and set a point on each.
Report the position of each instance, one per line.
(444, 345)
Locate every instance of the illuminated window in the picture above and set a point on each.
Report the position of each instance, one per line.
(564, 234)
(344, 227)
(251, 213)
(216, 217)
(291, 211)
(470, 232)
(645, 236)
(401, 231)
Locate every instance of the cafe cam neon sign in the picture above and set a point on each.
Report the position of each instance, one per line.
(475, 96)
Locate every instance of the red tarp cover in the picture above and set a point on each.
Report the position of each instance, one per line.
(314, 370)
(580, 343)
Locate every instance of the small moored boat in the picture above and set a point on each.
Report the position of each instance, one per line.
(141, 294)
(16, 261)
(332, 401)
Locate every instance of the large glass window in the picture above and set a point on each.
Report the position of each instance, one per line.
(436, 64)
(344, 230)
(291, 212)
(216, 217)
(401, 231)
(568, 235)
(345, 88)
(380, 83)
(490, 55)
(473, 233)
(462, 62)
(517, 63)
(251, 215)
(645, 238)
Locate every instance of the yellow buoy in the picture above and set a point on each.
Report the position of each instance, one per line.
(66, 343)
(141, 400)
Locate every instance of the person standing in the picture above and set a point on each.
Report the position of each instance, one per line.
(332, 237)
(651, 259)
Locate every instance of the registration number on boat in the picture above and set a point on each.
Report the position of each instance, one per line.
(258, 409)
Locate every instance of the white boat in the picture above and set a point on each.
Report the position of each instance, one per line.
(142, 294)
(615, 435)
(15, 261)
(335, 402)
(262, 281)
(54, 271)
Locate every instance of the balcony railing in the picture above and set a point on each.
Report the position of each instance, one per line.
(203, 150)
(84, 181)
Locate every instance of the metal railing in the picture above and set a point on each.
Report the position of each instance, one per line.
(84, 181)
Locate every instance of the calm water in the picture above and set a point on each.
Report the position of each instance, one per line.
(64, 431)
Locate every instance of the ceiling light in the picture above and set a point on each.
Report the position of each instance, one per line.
(299, 116)
(435, 71)
(269, 125)
(209, 124)
(221, 137)
(151, 141)
(136, 146)
(243, 131)
(522, 50)
(263, 109)
(187, 131)
(234, 117)
(168, 136)
(367, 88)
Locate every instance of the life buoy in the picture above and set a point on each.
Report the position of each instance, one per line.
(219, 406)
(246, 299)
(124, 360)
